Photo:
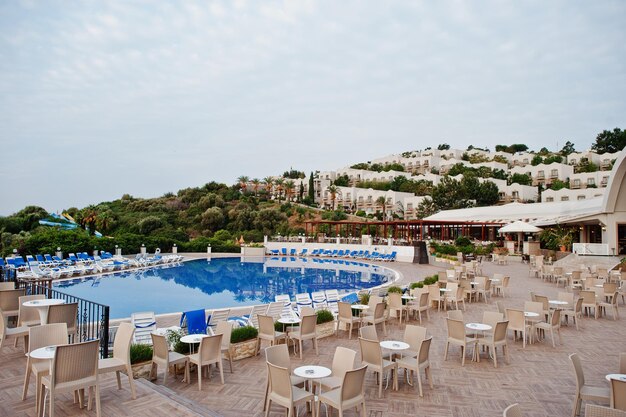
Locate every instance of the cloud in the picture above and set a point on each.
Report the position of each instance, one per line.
(147, 97)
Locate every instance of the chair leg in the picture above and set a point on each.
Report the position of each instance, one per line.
(26, 381)
(221, 366)
(129, 372)
(445, 355)
(419, 381)
(577, 402)
(98, 410)
(199, 377)
(380, 384)
(119, 379)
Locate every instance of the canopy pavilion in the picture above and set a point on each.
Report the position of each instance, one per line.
(406, 231)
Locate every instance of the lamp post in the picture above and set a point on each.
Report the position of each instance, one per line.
(208, 249)
(118, 250)
(58, 253)
(143, 249)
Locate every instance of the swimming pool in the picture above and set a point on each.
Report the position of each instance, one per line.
(221, 282)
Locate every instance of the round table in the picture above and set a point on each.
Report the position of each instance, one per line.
(621, 377)
(558, 302)
(477, 327)
(42, 307)
(396, 346)
(46, 352)
(530, 314)
(311, 372)
(359, 307)
(408, 297)
(192, 339)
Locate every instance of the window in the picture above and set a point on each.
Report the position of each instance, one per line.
(576, 183)
(581, 197)
(554, 173)
(540, 174)
(564, 198)
(525, 160)
(409, 206)
(515, 194)
(572, 162)
(605, 180)
(591, 181)
(549, 199)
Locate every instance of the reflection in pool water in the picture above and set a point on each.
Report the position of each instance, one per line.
(222, 282)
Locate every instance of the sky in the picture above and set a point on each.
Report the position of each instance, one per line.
(100, 99)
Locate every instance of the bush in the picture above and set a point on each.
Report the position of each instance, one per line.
(324, 316)
(241, 334)
(462, 241)
(395, 289)
(365, 299)
(416, 285)
(140, 352)
(419, 284)
(173, 338)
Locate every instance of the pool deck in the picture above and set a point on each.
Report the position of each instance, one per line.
(538, 377)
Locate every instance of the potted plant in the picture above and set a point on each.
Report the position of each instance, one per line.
(243, 342)
(557, 238)
(141, 360)
(325, 323)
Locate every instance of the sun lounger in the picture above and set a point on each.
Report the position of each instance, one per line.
(194, 321)
(319, 300)
(144, 323)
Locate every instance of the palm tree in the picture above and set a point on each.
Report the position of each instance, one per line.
(279, 182)
(269, 184)
(382, 201)
(290, 186)
(243, 183)
(333, 190)
(255, 185)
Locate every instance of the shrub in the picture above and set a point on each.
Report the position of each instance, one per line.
(140, 352)
(173, 338)
(241, 334)
(462, 241)
(365, 299)
(324, 316)
(419, 285)
(279, 327)
(394, 288)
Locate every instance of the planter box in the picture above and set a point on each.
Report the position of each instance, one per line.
(245, 349)
(250, 251)
(326, 329)
(141, 370)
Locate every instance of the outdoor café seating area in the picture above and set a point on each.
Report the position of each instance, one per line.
(481, 338)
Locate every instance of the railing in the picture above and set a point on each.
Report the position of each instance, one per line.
(8, 275)
(92, 318)
(591, 249)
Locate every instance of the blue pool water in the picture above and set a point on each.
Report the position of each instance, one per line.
(221, 282)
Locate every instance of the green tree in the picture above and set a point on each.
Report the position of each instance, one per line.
(426, 208)
(243, 183)
(213, 219)
(557, 184)
(443, 147)
(521, 179)
(587, 166)
(610, 141)
(268, 182)
(567, 149)
(333, 190)
(290, 187)
(149, 224)
(256, 183)
(537, 159)
(279, 185)
(488, 194)
(553, 158)
(382, 202)
(311, 188)
(342, 181)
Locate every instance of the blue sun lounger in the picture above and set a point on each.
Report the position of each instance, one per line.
(195, 321)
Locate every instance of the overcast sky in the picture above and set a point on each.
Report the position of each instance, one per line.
(99, 99)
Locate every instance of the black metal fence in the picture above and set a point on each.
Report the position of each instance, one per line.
(92, 318)
(8, 275)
